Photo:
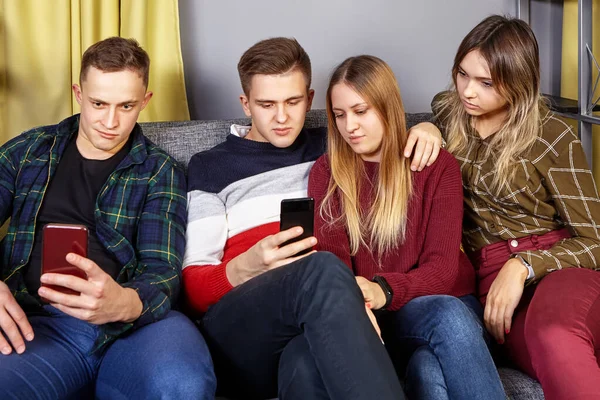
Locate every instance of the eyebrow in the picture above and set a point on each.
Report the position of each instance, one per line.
(354, 106)
(94, 100)
(480, 78)
(298, 97)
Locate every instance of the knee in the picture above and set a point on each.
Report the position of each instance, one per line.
(452, 319)
(326, 280)
(323, 266)
(179, 384)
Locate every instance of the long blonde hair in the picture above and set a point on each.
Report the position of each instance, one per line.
(385, 221)
(511, 51)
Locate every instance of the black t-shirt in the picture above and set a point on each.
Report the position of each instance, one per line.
(71, 199)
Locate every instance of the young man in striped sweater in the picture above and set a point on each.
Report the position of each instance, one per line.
(277, 324)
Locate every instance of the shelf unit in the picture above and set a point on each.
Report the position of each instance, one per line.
(584, 107)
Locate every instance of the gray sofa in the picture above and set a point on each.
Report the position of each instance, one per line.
(185, 138)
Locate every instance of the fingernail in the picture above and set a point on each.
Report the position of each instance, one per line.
(507, 331)
(20, 349)
(6, 351)
(313, 241)
(501, 341)
(413, 168)
(29, 337)
(369, 305)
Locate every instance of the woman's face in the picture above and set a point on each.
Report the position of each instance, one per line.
(476, 88)
(358, 122)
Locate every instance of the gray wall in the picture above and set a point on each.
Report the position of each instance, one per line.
(546, 22)
(417, 38)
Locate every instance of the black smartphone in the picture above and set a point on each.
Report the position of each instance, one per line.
(297, 212)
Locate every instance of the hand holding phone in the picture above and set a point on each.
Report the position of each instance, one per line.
(270, 252)
(297, 212)
(59, 240)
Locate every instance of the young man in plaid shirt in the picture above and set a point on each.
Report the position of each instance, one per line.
(97, 169)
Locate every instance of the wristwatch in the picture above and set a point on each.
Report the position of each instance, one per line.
(387, 290)
(530, 273)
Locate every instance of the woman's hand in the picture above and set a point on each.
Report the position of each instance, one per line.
(372, 293)
(503, 298)
(424, 143)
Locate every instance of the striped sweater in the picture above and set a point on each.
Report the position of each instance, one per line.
(234, 195)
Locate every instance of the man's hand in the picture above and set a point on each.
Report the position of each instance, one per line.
(266, 255)
(503, 298)
(101, 299)
(428, 140)
(13, 323)
(372, 293)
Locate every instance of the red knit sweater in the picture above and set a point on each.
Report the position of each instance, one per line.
(429, 261)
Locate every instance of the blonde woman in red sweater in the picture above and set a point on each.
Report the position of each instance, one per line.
(400, 232)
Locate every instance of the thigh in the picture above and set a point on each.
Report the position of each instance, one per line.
(423, 317)
(166, 359)
(563, 316)
(57, 364)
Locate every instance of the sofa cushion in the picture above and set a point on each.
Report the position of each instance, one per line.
(183, 139)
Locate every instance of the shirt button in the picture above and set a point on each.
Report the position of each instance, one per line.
(514, 243)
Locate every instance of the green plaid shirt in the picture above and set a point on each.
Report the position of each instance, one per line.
(140, 217)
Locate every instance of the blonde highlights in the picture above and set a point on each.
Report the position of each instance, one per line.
(511, 51)
(382, 223)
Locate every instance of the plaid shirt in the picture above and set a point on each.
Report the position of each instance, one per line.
(140, 217)
(553, 188)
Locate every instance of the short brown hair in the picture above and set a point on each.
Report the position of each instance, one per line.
(116, 54)
(273, 56)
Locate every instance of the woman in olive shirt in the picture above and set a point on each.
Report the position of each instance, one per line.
(531, 207)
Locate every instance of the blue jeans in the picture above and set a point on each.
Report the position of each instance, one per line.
(299, 332)
(440, 343)
(166, 359)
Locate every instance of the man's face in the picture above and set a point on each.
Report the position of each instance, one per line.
(110, 105)
(277, 105)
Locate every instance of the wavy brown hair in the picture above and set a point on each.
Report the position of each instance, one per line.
(384, 223)
(510, 49)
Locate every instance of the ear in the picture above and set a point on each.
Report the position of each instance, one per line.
(147, 98)
(77, 92)
(311, 95)
(245, 105)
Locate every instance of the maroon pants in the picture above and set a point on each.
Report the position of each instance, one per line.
(555, 334)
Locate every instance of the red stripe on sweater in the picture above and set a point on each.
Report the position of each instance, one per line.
(204, 285)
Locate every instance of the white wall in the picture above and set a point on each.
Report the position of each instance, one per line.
(417, 38)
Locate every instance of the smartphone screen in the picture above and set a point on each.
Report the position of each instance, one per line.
(297, 212)
(58, 240)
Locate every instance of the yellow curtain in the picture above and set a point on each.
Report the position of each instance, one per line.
(569, 70)
(41, 44)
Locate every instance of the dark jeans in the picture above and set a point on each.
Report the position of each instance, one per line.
(438, 343)
(167, 359)
(299, 332)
